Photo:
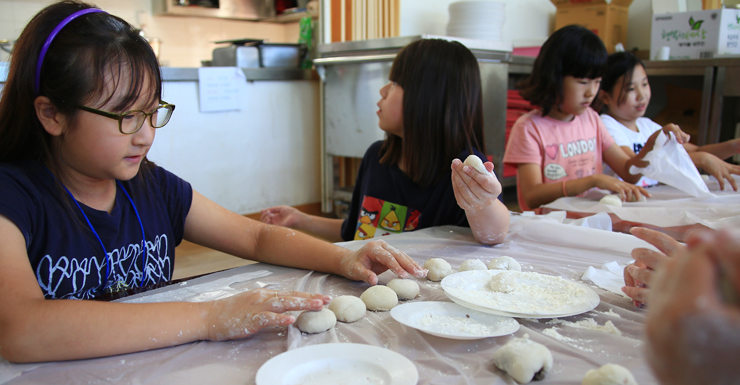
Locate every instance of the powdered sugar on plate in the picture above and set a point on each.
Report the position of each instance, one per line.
(450, 320)
(534, 294)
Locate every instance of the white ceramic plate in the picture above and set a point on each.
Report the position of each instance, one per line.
(450, 320)
(348, 364)
(536, 295)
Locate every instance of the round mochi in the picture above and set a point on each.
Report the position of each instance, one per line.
(609, 374)
(472, 264)
(404, 288)
(438, 269)
(379, 298)
(316, 321)
(348, 308)
(502, 282)
(475, 162)
(611, 200)
(523, 359)
(504, 263)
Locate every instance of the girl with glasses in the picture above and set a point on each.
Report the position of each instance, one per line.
(83, 212)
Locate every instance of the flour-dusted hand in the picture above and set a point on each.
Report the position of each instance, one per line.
(692, 326)
(639, 275)
(285, 216)
(376, 257)
(716, 167)
(474, 190)
(627, 192)
(244, 314)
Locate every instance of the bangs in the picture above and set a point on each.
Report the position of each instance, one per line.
(586, 60)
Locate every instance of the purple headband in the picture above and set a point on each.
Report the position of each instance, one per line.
(52, 35)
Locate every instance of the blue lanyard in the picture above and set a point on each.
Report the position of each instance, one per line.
(105, 252)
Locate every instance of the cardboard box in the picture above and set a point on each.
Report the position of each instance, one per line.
(696, 35)
(607, 20)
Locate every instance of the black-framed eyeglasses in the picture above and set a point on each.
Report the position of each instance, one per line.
(130, 122)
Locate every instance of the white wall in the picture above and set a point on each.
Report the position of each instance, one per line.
(266, 154)
(185, 40)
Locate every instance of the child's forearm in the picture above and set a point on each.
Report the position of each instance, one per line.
(326, 228)
(722, 150)
(55, 330)
(490, 224)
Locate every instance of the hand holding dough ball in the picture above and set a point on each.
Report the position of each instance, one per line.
(472, 264)
(523, 359)
(504, 263)
(379, 298)
(609, 374)
(438, 269)
(611, 200)
(316, 321)
(404, 288)
(348, 308)
(475, 162)
(503, 282)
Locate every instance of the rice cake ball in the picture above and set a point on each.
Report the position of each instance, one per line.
(504, 263)
(316, 321)
(609, 374)
(404, 288)
(348, 308)
(472, 264)
(611, 200)
(523, 359)
(379, 298)
(438, 269)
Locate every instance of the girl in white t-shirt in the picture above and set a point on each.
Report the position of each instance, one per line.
(625, 94)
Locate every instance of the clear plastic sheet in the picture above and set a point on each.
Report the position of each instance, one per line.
(668, 207)
(542, 244)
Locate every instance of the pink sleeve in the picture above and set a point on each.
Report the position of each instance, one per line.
(524, 142)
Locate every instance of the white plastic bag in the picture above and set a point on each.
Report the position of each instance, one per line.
(670, 164)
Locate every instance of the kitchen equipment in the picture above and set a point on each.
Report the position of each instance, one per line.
(252, 53)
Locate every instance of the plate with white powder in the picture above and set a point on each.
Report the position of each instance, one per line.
(534, 295)
(450, 320)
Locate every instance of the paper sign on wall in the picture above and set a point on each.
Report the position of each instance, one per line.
(221, 88)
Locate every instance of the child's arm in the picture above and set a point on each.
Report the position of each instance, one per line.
(537, 193)
(716, 167)
(477, 194)
(722, 150)
(286, 216)
(213, 226)
(34, 329)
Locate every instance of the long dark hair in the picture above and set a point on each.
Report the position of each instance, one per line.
(617, 65)
(88, 51)
(570, 51)
(442, 108)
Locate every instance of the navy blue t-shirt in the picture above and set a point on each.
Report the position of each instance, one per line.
(386, 201)
(67, 259)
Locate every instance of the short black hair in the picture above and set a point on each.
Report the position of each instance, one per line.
(570, 51)
(617, 65)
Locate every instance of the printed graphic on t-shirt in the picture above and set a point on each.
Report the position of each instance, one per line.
(125, 271)
(379, 218)
(636, 147)
(577, 156)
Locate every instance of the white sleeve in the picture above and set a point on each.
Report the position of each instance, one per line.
(617, 131)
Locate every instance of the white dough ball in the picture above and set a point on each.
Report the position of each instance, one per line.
(438, 269)
(523, 359)
(472, 264)
(379, 298)
(316, 321)
(475, 162)
(348, 308)
(611, 200)
(504, 263)
(404, 288)
(503, 282)
(609, 374)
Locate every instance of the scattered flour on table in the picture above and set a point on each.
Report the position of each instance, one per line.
(589, 323)
(454, 325)
(609, 313)
(552, 332)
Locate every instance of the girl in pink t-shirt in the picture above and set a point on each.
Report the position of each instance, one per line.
(558, 148)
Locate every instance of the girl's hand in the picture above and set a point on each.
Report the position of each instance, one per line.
(627, 192)
(474, 190)
(716, 167)
(376, 257)
(639, 275)
(285, 216)
(691, 329)
(681, 136)
(246, 313)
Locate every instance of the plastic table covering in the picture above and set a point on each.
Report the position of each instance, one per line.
(539, 243)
